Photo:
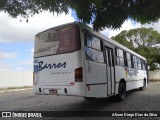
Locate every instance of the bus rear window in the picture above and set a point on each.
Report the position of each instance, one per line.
(57, 40)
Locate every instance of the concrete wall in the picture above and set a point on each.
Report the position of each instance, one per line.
(24, 78)
(15, 79)
(154, 75)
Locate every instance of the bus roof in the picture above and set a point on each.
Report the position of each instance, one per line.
(103, 37)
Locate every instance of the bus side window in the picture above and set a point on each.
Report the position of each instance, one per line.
(96, 43)
(93, 48)
(120, 57)
(129, 60)
(88, 42)
(134, 61)
(138, 63)
(93, 42)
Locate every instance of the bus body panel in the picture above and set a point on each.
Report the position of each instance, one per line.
(58, 69)
(134, 78)
(95, 78)
(97, 90)
(78, 89)
(58, 72)
(95, 72)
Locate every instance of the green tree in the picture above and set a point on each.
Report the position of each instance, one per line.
(143, 41)
(101, 13)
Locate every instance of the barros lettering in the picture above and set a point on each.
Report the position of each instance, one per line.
(43, 66)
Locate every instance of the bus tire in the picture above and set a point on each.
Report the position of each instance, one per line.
(144, 85)
(121, 91)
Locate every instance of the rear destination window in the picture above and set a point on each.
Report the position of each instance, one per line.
(57, 40)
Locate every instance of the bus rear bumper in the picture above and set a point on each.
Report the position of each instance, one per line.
(56, 90)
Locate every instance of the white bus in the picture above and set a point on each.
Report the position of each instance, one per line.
(73, 59)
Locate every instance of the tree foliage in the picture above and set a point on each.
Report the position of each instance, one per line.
(101, 13)
(143, 41)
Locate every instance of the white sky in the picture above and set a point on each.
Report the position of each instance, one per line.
(12, 30)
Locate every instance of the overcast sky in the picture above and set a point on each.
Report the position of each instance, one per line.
(17, 38)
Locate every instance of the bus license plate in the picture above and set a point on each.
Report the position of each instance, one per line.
(53, 91)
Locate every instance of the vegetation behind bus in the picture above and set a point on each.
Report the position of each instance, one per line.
(143, 41)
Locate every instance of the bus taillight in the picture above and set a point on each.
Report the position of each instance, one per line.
(78, 75)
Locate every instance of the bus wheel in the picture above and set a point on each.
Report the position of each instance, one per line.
(144, 85)
(121, 91)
